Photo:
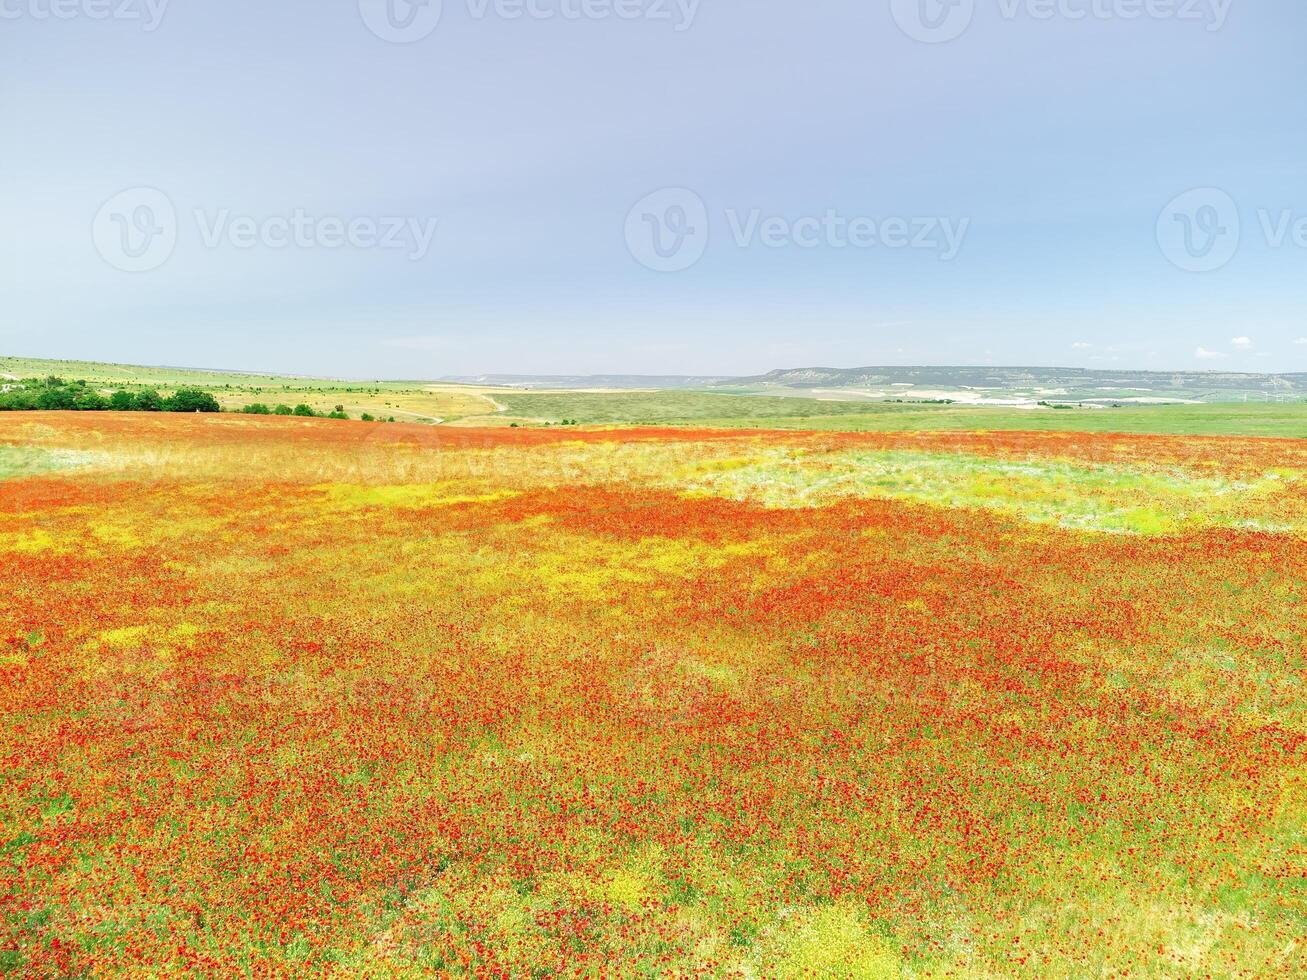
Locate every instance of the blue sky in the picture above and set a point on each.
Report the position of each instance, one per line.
(480, 192)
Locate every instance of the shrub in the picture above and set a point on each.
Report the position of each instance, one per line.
(304, 410)
(191, 400)
(148, 401)
(18, 400)
(57, 399)
(366, 417)
(122, 401)
(258, 408)
(282, 410)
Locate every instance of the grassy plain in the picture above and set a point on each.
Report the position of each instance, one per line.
(296, 697)
(770, 412)
(406, 401)
(486, 406)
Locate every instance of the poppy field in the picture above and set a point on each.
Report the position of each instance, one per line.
(292, 697)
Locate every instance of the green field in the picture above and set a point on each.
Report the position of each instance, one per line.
(730, 411)
(16, 461)
(162, 377)
(406, 401)
(466, 404)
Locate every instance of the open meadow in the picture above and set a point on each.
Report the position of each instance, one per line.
(728, 405)
(294, 697)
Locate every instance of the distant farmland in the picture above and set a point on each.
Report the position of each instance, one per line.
(1201, 402)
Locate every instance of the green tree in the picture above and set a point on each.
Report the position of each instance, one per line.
(191, 400)
(147, 400)
(56, 399)
(21, 397)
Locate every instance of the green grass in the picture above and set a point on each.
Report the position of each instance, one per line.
(1133, 499)
(167, 377)
(666, 407)
(473, 405)
(406, 401)
(1284, 421)
(26, 461)
(715, 410)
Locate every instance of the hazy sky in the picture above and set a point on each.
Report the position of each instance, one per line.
(365, 188)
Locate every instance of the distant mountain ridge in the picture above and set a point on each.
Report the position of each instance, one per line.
(923, 382)
(1027, 377)
(1031, 383)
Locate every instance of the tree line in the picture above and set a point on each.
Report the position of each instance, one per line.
(57, 395)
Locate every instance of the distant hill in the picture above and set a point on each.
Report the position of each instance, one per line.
(1031, 384)
(1021, 386)
(1026, 377)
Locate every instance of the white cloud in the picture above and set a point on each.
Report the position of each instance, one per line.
(1081, 345)
(1203, 354)
(1301, 340)
(1243, 343)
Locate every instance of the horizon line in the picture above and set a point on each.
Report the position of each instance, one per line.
(719, 378)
